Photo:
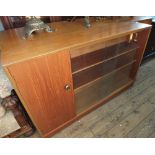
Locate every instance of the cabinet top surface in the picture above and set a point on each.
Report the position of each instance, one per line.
(68, 35)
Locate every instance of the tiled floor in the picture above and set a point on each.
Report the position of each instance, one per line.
(131, 114)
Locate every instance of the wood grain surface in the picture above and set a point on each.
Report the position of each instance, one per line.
(68, 35)
(41, 84)
(40, 69)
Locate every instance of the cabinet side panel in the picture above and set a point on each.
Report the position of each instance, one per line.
(141, 41)
(41, 82)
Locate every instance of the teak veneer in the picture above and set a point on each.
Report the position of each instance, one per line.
(64, 75)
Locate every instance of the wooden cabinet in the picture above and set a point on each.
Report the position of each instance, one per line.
(62, 76)
(41, 83)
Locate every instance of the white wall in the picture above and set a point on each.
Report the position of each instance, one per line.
(1, 26)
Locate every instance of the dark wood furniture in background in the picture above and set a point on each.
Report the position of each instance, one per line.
(10, 22)
(13, 103)
(150, 48)
(64, 75)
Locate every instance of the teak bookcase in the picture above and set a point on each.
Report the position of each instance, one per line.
(62, 76)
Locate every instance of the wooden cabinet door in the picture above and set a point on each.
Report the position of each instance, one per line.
(40, 82)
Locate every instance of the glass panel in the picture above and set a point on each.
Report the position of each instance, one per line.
(93, 72)
(100, 70)
(88, 59)
(91, 94)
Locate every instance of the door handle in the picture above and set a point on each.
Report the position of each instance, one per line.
(67, 87)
